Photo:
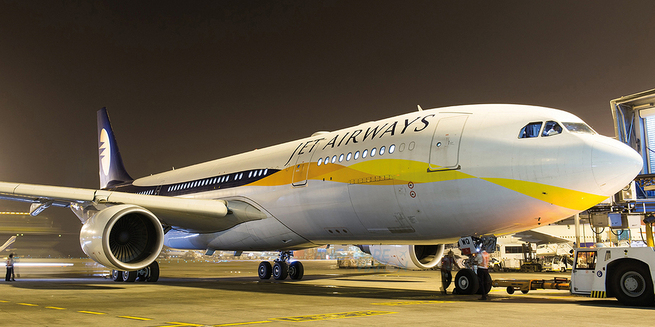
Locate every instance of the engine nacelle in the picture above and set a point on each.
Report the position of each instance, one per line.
(413, 257)
(123, 237)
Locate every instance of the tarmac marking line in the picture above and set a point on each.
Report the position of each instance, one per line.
(174, 324)
(243, 323)
(3, 301)
(339, 315)
(55, 308)
(92, 312)
(135, 318)
(410, 303)
(29, 304)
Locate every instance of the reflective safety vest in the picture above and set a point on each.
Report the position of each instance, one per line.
(485, 260)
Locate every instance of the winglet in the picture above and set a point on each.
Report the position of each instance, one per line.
(111, 167)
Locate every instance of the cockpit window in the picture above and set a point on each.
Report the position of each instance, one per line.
(551, 128)
(578, 128)
(530, 130)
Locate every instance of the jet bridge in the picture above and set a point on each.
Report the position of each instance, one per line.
(634, 125)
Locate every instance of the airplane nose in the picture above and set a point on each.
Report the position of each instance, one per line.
(614, 164)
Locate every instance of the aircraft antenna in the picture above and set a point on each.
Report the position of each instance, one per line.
(419, 107)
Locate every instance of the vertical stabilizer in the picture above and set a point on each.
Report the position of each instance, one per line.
(112, 171)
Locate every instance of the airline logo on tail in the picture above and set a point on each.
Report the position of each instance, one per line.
(105, 152)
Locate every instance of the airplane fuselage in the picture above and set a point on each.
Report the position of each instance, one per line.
(425, 177)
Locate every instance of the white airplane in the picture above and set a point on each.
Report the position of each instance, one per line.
(420, 179)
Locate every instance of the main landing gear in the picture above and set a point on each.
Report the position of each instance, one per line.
(147, 274)
(281, 268)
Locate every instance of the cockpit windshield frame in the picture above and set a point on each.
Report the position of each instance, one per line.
(530, 130)
(551, 128)
(578, 127)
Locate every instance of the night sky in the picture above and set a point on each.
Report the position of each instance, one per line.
(191, 81)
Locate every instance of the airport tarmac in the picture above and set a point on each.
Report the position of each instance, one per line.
(230, 294)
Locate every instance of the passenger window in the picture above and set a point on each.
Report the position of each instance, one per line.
(392, 148)
(585, 260)
(327, 160)
(341, 158)
(356, 155)
(382, 150)
(334, 159)
(373, 152)
(348, 156)
(551, 128)
(364, 153)
(530, 130)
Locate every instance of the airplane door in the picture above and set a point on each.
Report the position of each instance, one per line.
(444, 150)
(301, 169)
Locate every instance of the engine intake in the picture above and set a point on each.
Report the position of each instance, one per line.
(123, 237)
(414, 257)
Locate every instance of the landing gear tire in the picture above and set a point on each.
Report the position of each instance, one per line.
(466, 282)
(265, 270)
(488, 284)
(117, 275)
(510, 290)
(142, 275)
(153, 275)
(632, 285)
(129, 276)
(280, 270)
(296, 270)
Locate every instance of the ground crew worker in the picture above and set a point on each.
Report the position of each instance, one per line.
(447, 263)
(482, 261)
(10, 269)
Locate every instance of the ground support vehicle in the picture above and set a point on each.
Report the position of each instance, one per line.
(531, 284)
(556, 263)
(626, 273)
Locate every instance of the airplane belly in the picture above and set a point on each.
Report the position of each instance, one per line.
(262, 235)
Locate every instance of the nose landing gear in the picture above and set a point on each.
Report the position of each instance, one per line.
(281, 268)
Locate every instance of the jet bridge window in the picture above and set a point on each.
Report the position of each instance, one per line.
(551, 128)
(530, 130)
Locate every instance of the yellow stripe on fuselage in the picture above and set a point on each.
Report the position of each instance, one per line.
(405, 171)
(552, 194)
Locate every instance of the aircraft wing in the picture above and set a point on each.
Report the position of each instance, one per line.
(539, 237)
(165, 207)
(10, 241)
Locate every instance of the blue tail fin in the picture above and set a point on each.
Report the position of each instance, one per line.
(112, 171)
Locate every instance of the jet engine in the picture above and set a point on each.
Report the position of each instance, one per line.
(413, 257)
(123, 237)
